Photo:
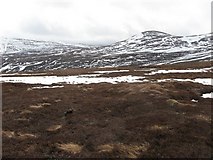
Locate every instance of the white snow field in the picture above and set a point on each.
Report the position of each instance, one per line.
(81, 79)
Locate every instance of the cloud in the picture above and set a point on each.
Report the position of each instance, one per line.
(102, 21)
(38, 27)
(55, 3)
(35, 26)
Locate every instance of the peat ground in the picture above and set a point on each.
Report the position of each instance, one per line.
(148, 119)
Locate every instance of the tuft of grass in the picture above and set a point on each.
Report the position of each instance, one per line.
(129, 151)
(70, 147)
(172, 102)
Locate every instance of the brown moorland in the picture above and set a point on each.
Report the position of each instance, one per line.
(148, 119)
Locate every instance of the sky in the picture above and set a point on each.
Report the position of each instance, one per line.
(100, 22)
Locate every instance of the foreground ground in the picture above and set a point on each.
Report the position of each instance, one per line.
(149, 119)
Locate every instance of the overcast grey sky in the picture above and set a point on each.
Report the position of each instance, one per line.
(101, 21)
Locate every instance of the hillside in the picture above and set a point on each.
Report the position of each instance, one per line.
(147, 48)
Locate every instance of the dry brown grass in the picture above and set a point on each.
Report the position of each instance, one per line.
(172, 102)
(202, 117)
(18, 135)
(54, 128)
(130, 151)
(41, 105)
(70, 147)
(158, 127)
(27, 111)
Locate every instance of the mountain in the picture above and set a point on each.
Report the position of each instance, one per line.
(146, 48)
(22, 46)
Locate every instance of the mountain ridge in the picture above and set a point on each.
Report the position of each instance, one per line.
(146, 48)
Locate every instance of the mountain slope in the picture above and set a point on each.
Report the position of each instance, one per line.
(150, 47)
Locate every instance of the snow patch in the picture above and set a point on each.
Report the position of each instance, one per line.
(179, 71)
(47, 87)
(207, 95)
(195, 101)
(48, 80)
(204, 81)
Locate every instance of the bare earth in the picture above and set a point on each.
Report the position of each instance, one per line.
(148, 119)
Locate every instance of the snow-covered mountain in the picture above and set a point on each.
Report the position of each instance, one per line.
(18, 45)
(150, 47)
